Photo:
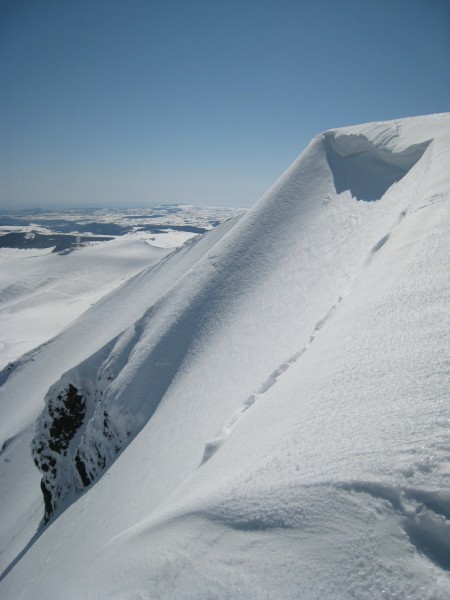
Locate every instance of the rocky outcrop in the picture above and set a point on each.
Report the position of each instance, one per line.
(58, 427)
(75, 438)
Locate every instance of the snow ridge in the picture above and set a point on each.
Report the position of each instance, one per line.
(213, 445)
(333, 485)
(123, 385)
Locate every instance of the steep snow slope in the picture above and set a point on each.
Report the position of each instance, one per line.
(273, 413)
(31, 376)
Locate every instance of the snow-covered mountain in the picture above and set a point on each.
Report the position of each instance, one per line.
(264, 413)
(42, 292)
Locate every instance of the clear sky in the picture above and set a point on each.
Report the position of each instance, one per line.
(140, 102)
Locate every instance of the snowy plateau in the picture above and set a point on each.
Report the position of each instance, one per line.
(260, 413)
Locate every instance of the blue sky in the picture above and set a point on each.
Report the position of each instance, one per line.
(140, 102)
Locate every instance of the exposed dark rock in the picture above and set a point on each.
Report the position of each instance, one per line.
(62, 420)
(81, 468)
(67, 414)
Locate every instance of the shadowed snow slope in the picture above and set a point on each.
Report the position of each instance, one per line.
(264, 413)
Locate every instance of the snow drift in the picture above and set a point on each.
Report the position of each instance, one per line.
(264, 414)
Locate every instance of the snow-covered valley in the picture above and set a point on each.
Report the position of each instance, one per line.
(262, 413)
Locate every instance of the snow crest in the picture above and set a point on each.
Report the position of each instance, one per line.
(99, 407)
(299, 357)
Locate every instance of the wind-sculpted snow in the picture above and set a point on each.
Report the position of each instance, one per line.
(426, 516)
(273, 420)
(367, 170)
(133, 379)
